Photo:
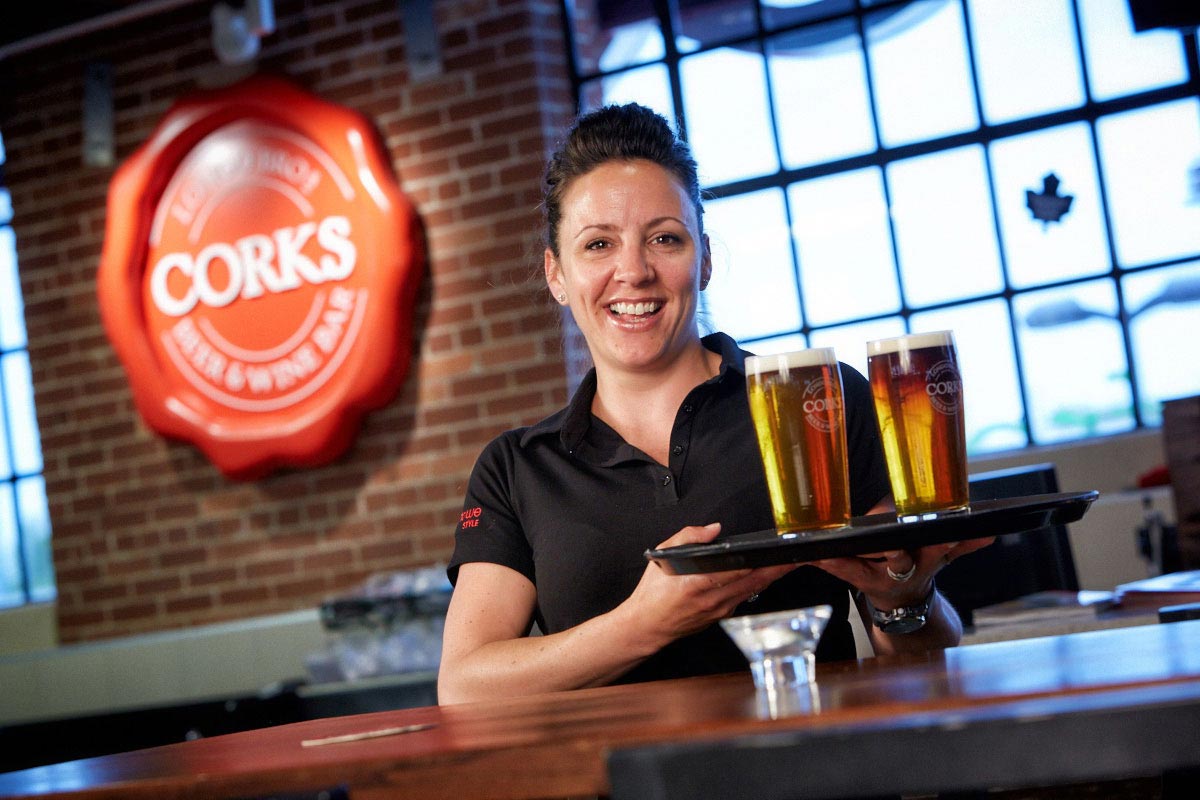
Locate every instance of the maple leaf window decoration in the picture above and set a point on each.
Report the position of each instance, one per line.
(1048, 205)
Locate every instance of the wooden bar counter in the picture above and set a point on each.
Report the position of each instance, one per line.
(564, 744)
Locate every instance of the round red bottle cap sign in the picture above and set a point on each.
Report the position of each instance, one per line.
(259, 276)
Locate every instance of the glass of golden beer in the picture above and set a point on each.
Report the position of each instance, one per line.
(796, 404)
(918, 394)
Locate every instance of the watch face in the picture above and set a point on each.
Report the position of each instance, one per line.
(903, 625)
(905, 619)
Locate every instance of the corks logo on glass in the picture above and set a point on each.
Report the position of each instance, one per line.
(259, 276)
(943, 384)
(820, 405)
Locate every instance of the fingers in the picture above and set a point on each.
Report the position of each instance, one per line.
(901, 574)
(739, 586)
(719, 592)
(693, 534)
(754, 581)
(896, 576)
(899, 562)
(720, 580)
(971, 545)
(850, 569)
(898, 565)
(945, 553)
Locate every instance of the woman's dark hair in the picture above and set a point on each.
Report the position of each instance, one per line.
(616, 133)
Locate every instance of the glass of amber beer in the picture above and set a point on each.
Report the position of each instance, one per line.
(917, 388)
(796, 404)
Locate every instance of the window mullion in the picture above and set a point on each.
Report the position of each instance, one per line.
(1023, 392)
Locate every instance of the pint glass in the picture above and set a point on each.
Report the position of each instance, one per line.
(796, 404)
(917, 389)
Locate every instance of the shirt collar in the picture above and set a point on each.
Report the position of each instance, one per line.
(572, 423)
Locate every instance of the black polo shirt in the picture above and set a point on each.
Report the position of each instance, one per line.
(573, 507)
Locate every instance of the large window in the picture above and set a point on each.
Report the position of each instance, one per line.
(26, 568)
(1025, 173)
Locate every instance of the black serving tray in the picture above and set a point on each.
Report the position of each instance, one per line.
(876, 533)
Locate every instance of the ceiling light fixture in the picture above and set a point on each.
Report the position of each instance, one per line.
(236, 33)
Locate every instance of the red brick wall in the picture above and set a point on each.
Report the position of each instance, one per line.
(147, 533)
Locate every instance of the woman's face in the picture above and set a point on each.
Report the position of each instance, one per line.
(631, 265)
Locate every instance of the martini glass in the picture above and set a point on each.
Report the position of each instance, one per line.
(780, 645)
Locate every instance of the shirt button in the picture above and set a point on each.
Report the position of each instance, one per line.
(666, 480)
(677, 449)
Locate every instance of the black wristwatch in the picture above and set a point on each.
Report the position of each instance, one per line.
(905, 619)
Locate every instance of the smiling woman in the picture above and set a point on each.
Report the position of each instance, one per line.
(656, 448)
(631, 261)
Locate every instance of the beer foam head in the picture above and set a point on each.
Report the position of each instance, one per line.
(913, 341)
(777, 362)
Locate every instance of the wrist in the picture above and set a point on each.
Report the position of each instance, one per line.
(905, 595)
(633, 631)
(904, 618)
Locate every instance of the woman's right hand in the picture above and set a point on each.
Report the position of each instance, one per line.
(671, 606)
(486, 653)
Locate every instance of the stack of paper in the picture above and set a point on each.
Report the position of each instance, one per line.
(1053, 605)
(1171, 589)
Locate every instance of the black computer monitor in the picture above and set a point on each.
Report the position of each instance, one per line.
(1016, 564)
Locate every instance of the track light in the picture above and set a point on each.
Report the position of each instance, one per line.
(236, 33)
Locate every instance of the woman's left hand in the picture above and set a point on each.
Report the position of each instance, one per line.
(899, 577)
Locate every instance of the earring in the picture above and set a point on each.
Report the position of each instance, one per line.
(562, 297)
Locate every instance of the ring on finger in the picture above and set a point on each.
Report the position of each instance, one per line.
(901, 577)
